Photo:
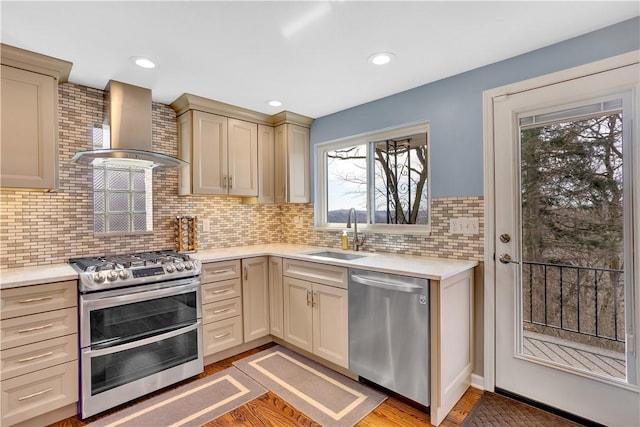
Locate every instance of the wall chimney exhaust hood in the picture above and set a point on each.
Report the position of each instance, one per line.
(128, 119)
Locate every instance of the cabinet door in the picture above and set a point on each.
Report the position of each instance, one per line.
(280, 164)
(292, 164)
(298, 164)
(266, 169)
(209, 156)
(29, 141)
(276, 297)
(297, 313)
(243, 158)
(331, 324)
(255, 297)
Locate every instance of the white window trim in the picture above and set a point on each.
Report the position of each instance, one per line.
(320, 206)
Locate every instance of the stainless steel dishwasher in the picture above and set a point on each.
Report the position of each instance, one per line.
(389, 332)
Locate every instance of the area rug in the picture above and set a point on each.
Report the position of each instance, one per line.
(495, 410)
(325, 396)
(192, 404)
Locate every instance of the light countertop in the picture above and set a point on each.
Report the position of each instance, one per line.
(38, 274)
(417, 266)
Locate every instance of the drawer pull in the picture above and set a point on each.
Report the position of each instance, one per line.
(28, 359)
(221, 271)
(35, 328)
(223, 310)
(39, 393)
(221, 336)
(27, 301)
(219, 291)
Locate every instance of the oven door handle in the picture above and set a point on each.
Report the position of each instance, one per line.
(136, 294)
(145, 341)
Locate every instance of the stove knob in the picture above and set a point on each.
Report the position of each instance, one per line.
(99, 277)
(124, 274)
(170, 268)
(112, 275)
(188, 265)
(179, 266)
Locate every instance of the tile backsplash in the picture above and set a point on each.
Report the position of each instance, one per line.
(43, 228)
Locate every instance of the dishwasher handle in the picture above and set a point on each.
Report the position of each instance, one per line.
(391, 286)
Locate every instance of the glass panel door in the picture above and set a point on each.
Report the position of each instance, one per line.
(572, 207)
(565, 218)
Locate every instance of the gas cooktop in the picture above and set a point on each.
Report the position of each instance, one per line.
(115, 271)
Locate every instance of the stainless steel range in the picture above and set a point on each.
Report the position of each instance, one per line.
(140, 325)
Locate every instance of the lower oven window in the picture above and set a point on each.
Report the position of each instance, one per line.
(115, 369)
(130, 322)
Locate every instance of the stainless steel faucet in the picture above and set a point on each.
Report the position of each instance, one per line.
(357, 242)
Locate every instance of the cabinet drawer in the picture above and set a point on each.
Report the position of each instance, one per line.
(16, 302)
(38, 327)
(222, 335)
(221, 310)
(316, 272)
(218, 291)
(43, 354)
(223, 270)
(37, 393)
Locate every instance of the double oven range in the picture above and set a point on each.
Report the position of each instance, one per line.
(140, 325)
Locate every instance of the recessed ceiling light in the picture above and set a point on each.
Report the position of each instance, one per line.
(274, 103)
(143, 62)
(381, 58)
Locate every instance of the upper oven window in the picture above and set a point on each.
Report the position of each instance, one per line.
(135, 321)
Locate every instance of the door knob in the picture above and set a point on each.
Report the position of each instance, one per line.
(506, 259)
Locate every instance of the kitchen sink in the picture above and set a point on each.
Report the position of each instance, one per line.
(336, 255)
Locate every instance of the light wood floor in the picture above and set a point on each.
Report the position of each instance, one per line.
(270, 410)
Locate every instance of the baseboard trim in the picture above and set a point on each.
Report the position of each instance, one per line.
(477, 381)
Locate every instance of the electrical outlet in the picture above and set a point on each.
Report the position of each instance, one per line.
(206, 225)
(464, 226)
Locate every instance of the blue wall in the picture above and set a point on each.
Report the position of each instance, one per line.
(453, 106)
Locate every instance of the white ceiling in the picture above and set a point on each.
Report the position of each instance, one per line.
(310, 55)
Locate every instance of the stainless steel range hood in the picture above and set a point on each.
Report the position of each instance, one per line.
(128, 121)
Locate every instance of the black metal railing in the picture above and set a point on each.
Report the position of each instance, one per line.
(583, 300)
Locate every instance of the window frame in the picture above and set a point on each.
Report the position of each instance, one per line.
(321, 190)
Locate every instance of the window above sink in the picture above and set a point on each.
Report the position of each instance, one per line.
(384, 175)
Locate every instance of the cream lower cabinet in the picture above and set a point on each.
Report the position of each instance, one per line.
(39, 357)
(221, 306)
(255, 297)
(276, 298)
(316, 314)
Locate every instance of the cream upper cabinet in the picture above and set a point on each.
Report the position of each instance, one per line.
(29, 119)
(316, 308)
(222, 155)
(267, 155)
(242, 171)
(255, 297)
(292, 164)
(266, 166)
